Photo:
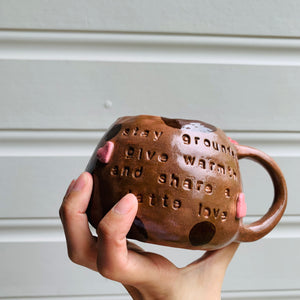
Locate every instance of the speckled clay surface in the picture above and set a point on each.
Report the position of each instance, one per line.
(185, 174)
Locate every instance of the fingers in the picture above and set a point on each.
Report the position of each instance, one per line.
(80, 242)
(113, 259)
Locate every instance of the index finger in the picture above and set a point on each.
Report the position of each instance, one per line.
(80, 242)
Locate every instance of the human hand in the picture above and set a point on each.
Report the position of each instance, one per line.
(145, 275)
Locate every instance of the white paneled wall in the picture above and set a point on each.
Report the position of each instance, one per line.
(68, 69)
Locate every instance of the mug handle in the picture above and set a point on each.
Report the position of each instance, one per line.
(258, 229)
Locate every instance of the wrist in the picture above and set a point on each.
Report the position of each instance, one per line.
(151, 294)
(176, 292)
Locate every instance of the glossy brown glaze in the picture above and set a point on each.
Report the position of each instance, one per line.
(185, 174)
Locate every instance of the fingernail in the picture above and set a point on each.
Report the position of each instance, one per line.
(123, 206)
(79, 183)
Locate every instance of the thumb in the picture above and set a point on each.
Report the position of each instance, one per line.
(112, 259)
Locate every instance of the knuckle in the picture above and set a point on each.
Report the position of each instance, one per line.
(110, 235)
(61, 212)
(105, 271)
(104, 228)
(111, 271)
(75, 257)
(64, 211)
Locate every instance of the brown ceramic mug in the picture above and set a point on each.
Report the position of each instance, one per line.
(185, 175)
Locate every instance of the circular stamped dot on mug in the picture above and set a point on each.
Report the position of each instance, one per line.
(202, 233)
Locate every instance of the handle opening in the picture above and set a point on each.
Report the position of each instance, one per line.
(258, 229)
